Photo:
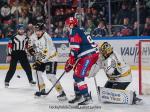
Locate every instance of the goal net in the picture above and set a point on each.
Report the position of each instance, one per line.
(144, 67)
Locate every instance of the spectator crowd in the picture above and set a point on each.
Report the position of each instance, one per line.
(93, 17)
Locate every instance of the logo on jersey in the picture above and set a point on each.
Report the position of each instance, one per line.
(85, 67)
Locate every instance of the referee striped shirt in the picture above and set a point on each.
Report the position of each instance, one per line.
(17, 43)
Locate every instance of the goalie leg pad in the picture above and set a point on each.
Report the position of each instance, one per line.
(116, 96)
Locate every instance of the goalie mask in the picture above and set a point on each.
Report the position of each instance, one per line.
(106, 49)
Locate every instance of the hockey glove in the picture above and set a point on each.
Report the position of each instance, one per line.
(69, 64)
(37, 65)
(31, 51)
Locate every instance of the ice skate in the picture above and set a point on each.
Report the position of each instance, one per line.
(6, 84)
(87, 100)
(136, 100)
(40, 93)
(32, 83)
(62, 97)
(77, 98)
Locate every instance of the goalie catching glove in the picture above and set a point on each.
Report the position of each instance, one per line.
(37, 65)
(31, 51)
(69, 64)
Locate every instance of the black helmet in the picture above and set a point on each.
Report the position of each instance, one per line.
(40, 26)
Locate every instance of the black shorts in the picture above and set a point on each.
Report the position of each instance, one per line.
(117, 85)
(49, 67)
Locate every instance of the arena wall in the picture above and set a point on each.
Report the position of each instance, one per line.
(126, 46)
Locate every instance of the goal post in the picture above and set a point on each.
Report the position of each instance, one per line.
(144, 66)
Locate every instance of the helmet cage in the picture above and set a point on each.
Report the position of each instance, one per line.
(106, 49)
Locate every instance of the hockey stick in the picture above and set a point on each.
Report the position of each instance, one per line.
(38, 83)
(55, 83)
(98, 92)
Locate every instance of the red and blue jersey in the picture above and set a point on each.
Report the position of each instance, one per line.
(81, 45)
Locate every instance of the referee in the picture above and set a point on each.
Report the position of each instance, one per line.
(16, 52)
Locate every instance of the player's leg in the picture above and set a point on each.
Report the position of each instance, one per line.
(11, 71)
(27, 68)
(38, 72)
(82, 69)
(81, 91)
(80, 87)
(40, 84)
(51, 69)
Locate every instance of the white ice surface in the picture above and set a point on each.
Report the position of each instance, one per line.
(19, 96)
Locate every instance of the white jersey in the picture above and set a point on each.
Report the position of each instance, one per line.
(44, 47)
(115, 68)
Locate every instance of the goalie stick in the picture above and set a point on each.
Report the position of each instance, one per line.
(97, 89)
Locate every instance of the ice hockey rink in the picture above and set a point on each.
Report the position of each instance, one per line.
(19, 96)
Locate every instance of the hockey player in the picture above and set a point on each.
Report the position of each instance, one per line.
(17, 52)
(117, 71)
(42, 47)
(83, 54)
